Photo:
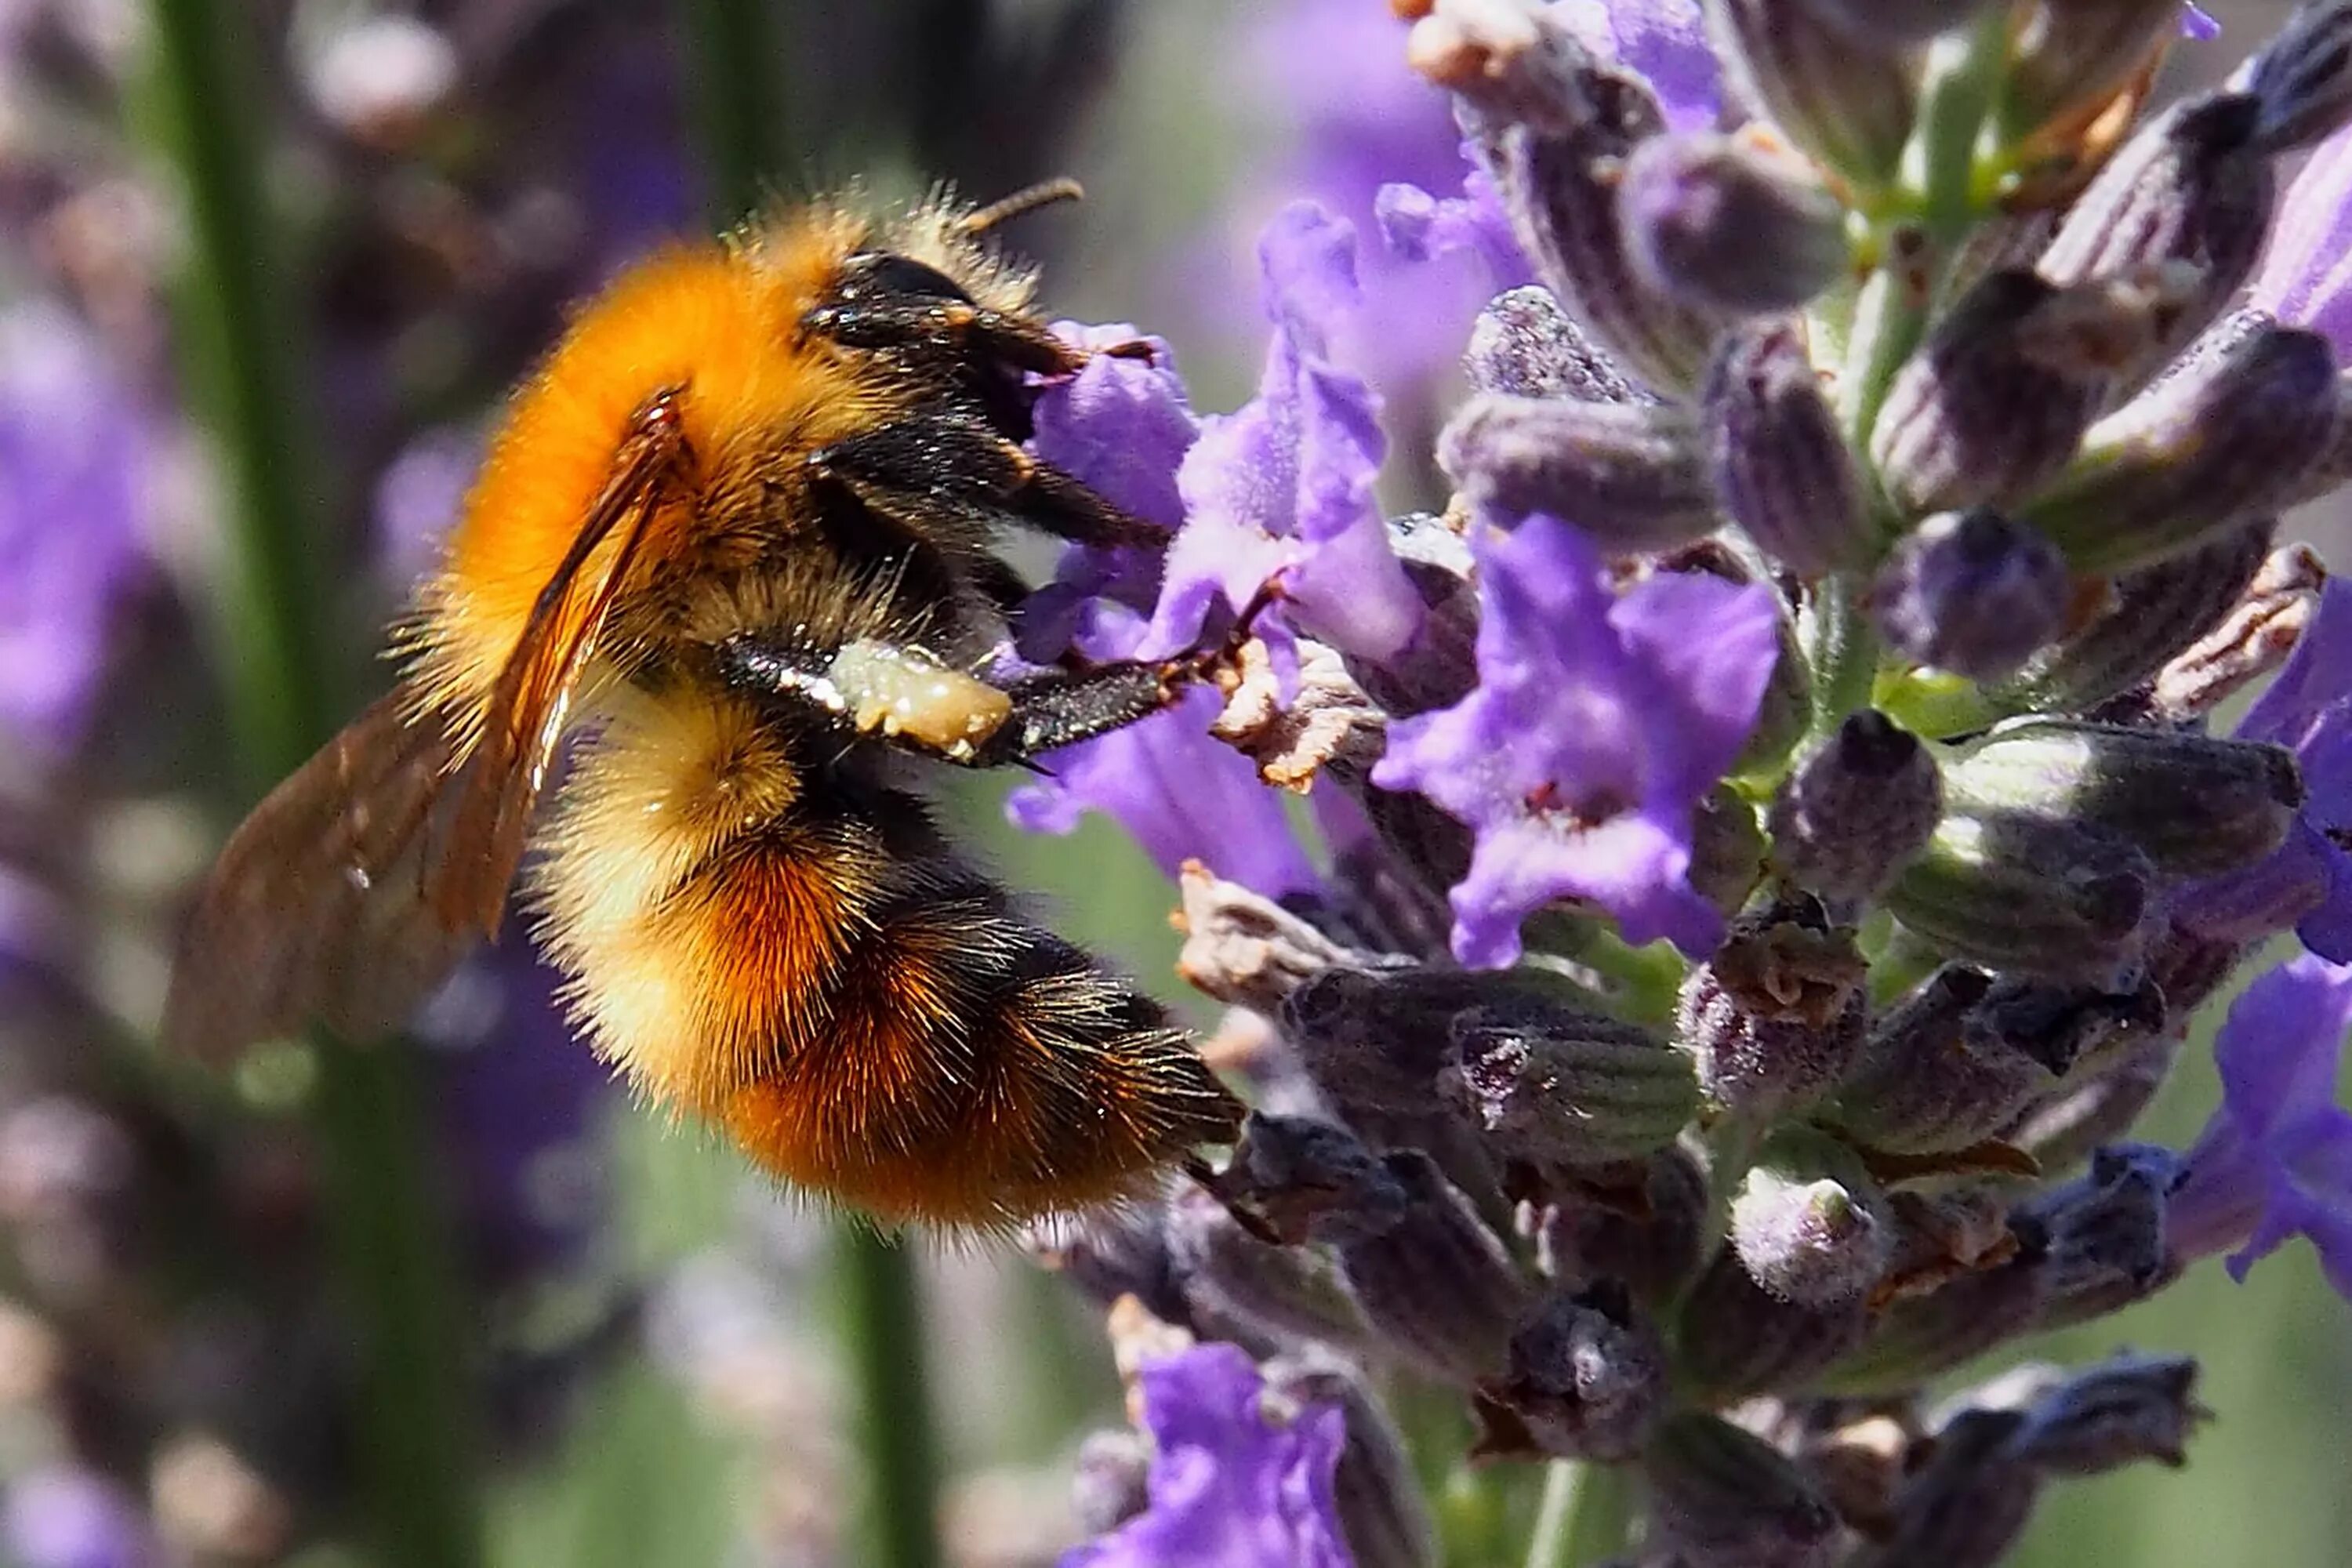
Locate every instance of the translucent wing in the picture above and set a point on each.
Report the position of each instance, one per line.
(356, 884)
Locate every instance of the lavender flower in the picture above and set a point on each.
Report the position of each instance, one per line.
(2276, 1162)
(1229, 1484)
(1598, 723)
(60, 1516)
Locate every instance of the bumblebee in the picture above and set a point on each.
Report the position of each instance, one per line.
(738, 532)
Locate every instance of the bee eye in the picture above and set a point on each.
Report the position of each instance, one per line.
(879, 274)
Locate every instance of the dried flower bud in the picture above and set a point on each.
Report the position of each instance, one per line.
(1722, 1497)
(1775, 1018)
(1735, 1340)
(1855, 812)
(2188, 188)
(1296, 722)
(2152, 615)
(1585, 1378)
(1994, 403)
(1437, 1287)
(1508, 61)
(2049, 897)
(1243, 948)
(2223, 440)
(1377, 1494)
(2071, 57)
(1967, 1505)
(2303, 77)
(1808, 1223)
(1230, 1277)
(1850, 107)
(1725, 223)
(1107, 1481)
(2133, 1408)
(1895, 24)
(1559, 187)
(1644, 1236)
(1524, 345)
(2263, 627)
(1974, 593)
(1932, 1079)
(1944, 1235)
(1779, 463)
(1631, 475)
(2106, 1234)
(2195, 804)
(1569, 1090)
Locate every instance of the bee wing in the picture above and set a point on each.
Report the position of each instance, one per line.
(314, 910)
(478, 856)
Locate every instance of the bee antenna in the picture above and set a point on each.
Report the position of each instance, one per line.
(1022, 202)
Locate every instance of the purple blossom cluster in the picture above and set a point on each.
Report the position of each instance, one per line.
(1771, 838)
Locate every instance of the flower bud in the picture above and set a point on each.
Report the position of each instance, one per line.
(2045, 896)
(1853, 812)
(2223, 440)
(1966, 1506)
(2186, 189)
(1585, 1379)
(1727, 843)
(1850, 107)
(1230, 1277)
(1569, 1090)
(1646, 1240)
(1779, 464)
(1931, 1081)
(1895, 24)
(1510, 63)
(1559, 187)
(1109, 1480)
(2153, 615)
(2071, 57)
(1112, 1253)
(1374, 1487)
(1725, 223)
(1945, 1234)
(1735, 1340)
(2064, 1027)
(1921, 1336)
(1974, 593)
(2196, 805)
(1524, 345)
(2081, 1117)
(1376, 1039)
(1299, 1177)
(2133, 1408)
(1808, 1223)
(2106, 1234)
(1995, 402)
(2303, 77)
(1437, 1287)
(1774, 1019)
(1722, 1497)
(1631, 475)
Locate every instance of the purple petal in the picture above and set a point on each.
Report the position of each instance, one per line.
(1228, 1487)
(1666, 42)
(2275, 1161)
(2305, 277)
(1121, 424)
(2197, 26)
(1597, 724)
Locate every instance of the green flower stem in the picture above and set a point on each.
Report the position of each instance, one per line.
(1842, 647)
(741, 112)
(1587, 1516)
(415, 1421)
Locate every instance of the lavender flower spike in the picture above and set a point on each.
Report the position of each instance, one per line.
(1597, 725)
(2275, 1161)
(1228, 1485)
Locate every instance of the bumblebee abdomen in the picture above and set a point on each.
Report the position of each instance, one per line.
(796, 955)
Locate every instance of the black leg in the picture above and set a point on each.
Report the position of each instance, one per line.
(898, 323)
(951, 464)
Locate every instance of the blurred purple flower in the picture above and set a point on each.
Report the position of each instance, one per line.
(1229, 1487)
(2305, 277)
(2275, 1161)
(1598, 723)
(1666, 42)
(2308, 709)
(518, 1099)
(73, 454)
(1284, 484)
(417, 497)
(62, 1516)
(2197, 26)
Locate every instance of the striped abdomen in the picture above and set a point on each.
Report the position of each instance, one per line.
(787, 947)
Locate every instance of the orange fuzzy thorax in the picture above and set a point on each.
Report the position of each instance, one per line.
(718, 323)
